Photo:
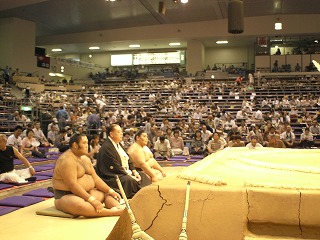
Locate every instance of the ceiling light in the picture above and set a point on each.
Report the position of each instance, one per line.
(56, 50)
(222, 42)
(174, 44)
(184, 1)
(134, 45)
(278, 25)
(276, 40)
(94, 48)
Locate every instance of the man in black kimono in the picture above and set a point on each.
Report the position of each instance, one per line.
(112, 160)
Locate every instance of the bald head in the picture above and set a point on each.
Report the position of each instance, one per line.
(3, 137)
(3, 142)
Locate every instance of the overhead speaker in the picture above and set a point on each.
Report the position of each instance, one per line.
(162, 7)
(235, 17)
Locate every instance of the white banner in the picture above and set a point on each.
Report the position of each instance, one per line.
(74, 63)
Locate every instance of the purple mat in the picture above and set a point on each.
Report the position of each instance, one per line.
(41, 192)
(197, 157)
(52, 165)
(178, 157)
(180, 164)
(49, 165)
(5, 185)
(15, 183)
(6, 210)
(52, 157)
(40, 178)
(17, 162)
(49, 174)
(42, 168)
(53, 153)
(193, 160)
(39, 159)
(20, 201)
(31, 160)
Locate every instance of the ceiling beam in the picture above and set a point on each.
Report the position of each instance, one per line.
(158, 16)
(217, 9)
(10, 4)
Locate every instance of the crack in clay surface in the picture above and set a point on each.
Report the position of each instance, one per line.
(247, 193)
(299, 213)
(157, 214)
(203, 202)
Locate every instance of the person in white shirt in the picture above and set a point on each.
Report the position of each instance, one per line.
(228, 124)
(118, 112)
(205, 134)
(258, 115)
(259, 77)
(254, 143)
(15, 140)
(241, 114)
(162, 148)
(284, 117)
(55, 123)
(288, 137)
(142, 112)
(101, 105)
(251, 79)
(152, 97)
(197, 115)
(306, 139)
(52, 134)
(265, 102)
(39, 135)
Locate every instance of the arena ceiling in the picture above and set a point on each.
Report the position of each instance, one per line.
(57, 17)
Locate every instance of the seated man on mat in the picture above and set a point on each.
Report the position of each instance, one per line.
(7, 171)
(162, 148)
(142, 157)
(15, 140)
(78, 190)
